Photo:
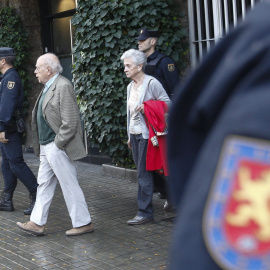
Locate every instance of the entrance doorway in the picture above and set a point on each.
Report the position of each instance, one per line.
(57, 32)
(57, 37)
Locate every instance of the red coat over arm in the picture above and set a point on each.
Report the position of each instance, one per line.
(155, 114)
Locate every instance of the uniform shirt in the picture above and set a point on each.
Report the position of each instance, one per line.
(164, 71)
(11, 98)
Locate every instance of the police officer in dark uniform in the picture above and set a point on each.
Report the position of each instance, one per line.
(11, 129)
(160, 66)
(163, 68)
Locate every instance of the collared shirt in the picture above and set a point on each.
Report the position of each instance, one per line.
(45, 132)
(49, 83)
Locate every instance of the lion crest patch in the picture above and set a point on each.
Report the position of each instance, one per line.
(10, 85)
(236, 222)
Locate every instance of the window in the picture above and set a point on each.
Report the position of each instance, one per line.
(210, 20)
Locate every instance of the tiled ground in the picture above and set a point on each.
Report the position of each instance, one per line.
(113, 244)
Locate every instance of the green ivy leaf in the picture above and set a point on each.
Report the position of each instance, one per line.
(14, 35)
(104, 30)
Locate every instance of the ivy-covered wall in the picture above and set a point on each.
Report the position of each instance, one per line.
(104, 30)
(184, 20)
(13, 34)
(28, 11)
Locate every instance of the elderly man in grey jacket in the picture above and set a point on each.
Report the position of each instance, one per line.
(58, 140)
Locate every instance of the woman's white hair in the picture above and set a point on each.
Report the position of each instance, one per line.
(137, 57)
(53, 62)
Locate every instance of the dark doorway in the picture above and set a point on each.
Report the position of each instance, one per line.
(57, 31)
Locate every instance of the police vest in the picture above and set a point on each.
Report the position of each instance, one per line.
(150, 68)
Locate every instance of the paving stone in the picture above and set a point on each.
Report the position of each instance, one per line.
(113, 244)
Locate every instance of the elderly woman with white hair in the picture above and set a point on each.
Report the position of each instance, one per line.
(141, 89)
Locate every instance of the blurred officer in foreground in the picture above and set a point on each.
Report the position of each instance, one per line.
(219, 154)
(11, 130)
(160, 66)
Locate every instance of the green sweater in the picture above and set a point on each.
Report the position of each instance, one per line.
(45, 133)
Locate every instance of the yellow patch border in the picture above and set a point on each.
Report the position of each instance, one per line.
(171, 67)
(10, 85)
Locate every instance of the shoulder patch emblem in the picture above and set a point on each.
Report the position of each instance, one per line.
(10, 85)
(171, 67)
(236, 223)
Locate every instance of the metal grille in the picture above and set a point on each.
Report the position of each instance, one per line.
(210, 20)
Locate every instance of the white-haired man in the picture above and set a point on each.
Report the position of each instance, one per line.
(58, 140)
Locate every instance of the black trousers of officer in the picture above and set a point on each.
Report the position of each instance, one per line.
(13, 165)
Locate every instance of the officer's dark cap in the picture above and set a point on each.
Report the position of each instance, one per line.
(6, 51)
(145, 34)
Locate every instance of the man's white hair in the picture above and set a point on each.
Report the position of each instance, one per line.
(51, 60)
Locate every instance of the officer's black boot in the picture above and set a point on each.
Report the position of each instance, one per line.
(32, 197)
(6, 203)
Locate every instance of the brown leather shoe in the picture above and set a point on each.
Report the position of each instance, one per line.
(31, 227)
(80, 230)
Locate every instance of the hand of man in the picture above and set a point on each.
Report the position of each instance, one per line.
(3, 137)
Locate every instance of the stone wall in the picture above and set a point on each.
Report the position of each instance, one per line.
(29, 12)
(183, 6)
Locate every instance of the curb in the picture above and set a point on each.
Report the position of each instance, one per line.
(118, 172)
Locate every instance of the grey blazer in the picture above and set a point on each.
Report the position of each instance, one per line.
(60, 111)
(152, 89)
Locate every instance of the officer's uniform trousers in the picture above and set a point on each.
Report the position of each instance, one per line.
(13, 165)
(56, 165)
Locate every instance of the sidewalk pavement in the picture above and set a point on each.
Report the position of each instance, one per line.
(113, 244)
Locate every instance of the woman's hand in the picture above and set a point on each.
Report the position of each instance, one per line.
(3, 137)
(140, 109)
(129, 144)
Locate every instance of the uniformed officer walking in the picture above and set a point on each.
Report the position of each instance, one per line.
(160, 66)
(13, 165)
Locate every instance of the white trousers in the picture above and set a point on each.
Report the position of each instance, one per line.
(55, 166)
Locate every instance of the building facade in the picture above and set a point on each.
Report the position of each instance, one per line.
(48, 23)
